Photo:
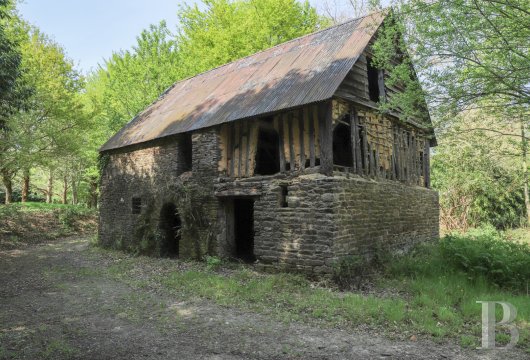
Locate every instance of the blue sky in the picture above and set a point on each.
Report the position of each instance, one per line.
(91, 30)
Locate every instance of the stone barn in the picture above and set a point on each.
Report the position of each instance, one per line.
(279, 158)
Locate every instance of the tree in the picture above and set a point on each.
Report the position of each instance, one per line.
(229, 30)
(481, 182)
(13, 91)
(47, 127)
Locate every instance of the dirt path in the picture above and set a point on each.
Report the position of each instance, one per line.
(55, 304)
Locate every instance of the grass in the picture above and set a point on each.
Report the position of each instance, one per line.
(436, 299)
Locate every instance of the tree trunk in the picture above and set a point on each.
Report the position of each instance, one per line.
(65, 189)
(524, 148)
(25, 186)
(74, 191)
(8, 185)
(49, 190)
(93, 201)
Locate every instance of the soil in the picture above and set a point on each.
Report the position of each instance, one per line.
(53, 306)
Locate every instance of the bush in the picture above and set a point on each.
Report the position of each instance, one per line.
(486, 253)
(70, 215)
(481, 254)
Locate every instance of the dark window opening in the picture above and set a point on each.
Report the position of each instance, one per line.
(268, 152)
(170, 229)
(284, 193)
(342, 146)
(136, 205)
(186, 151)
(317, 161)
(244, 229)
(373, 81)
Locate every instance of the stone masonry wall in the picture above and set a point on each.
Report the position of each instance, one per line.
(382, 214)
(156, 174)
(299, 236)
(142, 172)
(331, 217)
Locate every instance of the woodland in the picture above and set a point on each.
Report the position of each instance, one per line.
(472, 58)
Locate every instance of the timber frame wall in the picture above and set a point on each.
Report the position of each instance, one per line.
(382, 147)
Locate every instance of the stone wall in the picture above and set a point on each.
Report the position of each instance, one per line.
(379, 214)
(327, 218)
(157, 174)
(298, 236)
(137, 172)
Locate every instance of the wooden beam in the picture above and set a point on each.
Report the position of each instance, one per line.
(239, 149)
(302, 139)
(292, 159)
(427, 164)
(231, 148)
(278, 123)
(312, 114)
(366, 162)
(325, 114)
(247, 148)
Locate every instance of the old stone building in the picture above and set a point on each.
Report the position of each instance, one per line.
(279, 158)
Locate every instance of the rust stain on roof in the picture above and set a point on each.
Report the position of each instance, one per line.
(298, 72)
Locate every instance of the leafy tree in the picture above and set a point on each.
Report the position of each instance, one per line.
(229, 30)
(47, 127)
(476, 170)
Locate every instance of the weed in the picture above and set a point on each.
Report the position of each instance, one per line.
(212, 262)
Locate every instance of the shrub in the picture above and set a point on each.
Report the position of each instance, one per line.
(485, 253)
(213, 262)
(70, 215)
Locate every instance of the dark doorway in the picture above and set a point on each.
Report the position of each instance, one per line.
(170, 227)
(268, 152)
(244, 229)
(342, 146)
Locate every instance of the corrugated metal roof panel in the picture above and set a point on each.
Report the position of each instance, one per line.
(295, 73)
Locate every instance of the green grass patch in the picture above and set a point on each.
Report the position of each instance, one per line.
(427, 293)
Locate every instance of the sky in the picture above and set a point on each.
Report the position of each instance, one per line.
(91, 30)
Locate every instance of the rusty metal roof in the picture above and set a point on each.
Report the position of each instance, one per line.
(298, 72)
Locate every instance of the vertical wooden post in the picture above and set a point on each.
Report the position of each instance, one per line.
(353, 138)
(247, 155)
(292, 159)
(312, 111)
(231, 147)
(301, 133)
(278, 122)
(364, 145)
(427, 164)
(326, 137)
